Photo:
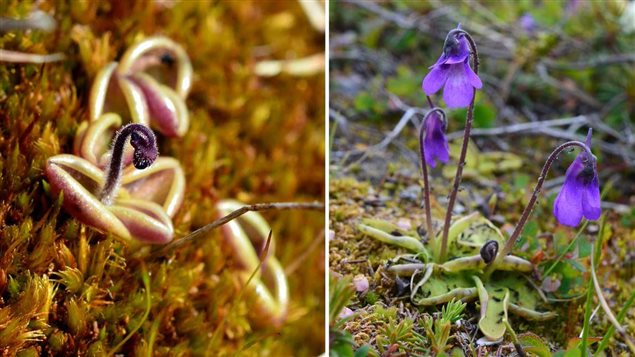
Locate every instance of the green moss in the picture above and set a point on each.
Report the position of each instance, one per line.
(352, 253)
(371, 298)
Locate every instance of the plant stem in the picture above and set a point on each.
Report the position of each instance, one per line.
(461, 163)
(532, 201)
(430, 102)
(424, 169)
(220, 328)
(317, 206)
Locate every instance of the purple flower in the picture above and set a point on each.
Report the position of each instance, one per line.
(435, 143)
(580, 194)
(527, 23)
(453, 72)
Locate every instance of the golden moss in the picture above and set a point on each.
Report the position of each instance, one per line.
(251, 138)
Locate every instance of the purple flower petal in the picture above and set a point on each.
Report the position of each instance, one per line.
(568, 204)
(441, 60)
(458, 90)
(591, 200)
(456, 59)
(453, 72)
(436, 148)
(431, 156)
(435, 143)
(580, 193)
(430, 159)
(475, 81)
(435, 79)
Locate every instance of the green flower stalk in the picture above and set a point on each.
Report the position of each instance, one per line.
(268, 289)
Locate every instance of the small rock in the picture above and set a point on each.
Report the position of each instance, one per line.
(484, 341)
(458, 208)
(404, 223)
(361, 283)
(593, 228)
(410, 193)
(331, 234)
(550, 285)
(346, 312)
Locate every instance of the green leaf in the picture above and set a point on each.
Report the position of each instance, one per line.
(341, 345)
(362, 351)
(493, 310)
(534, 344)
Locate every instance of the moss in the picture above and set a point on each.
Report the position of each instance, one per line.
(251, 138)
(352, 253)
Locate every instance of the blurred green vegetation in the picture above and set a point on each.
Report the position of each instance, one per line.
(68, 290)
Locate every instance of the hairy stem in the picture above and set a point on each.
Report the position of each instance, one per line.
(461, 163)
(145, 144)
(317, 206)
(430, 102)
(532, 201)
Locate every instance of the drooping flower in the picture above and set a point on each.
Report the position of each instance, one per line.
(435, 143)
(453, 72)
(580, 193)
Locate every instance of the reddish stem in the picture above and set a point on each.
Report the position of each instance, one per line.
(461, 163)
